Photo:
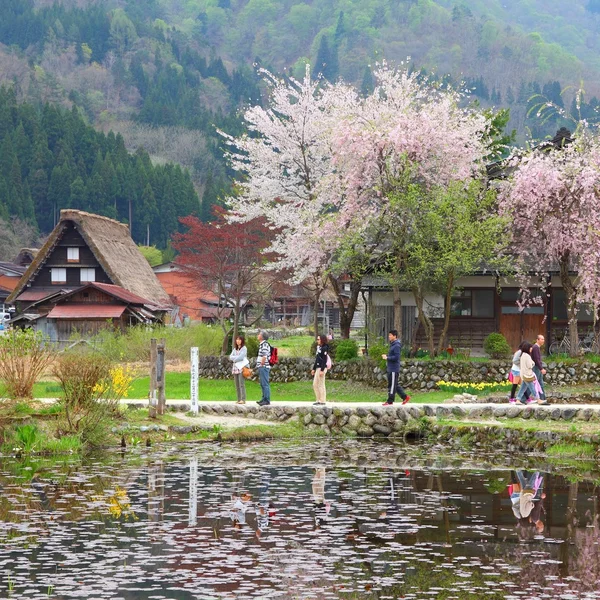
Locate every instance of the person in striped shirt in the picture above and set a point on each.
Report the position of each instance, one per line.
(264, 368)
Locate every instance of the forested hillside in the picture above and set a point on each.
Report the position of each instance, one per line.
(50, 159)
(165, 74)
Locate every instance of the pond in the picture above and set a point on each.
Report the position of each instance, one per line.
(284, 520)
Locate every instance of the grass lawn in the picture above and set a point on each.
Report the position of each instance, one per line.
(214, 390)
(295, 346)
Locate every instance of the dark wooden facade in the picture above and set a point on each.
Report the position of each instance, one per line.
(470, 324)
(57, 258)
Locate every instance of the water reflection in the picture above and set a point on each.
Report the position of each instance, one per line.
(279, 521)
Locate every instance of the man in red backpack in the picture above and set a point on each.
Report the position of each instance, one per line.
(264, 367)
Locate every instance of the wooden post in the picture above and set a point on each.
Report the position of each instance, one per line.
(152, 408)
(160, 375)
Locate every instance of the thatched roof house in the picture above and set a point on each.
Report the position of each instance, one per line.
(84, 248)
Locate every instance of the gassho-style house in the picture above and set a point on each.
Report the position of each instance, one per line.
(483, 303)
(88, 276)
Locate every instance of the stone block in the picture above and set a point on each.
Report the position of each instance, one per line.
(318, 419)
(365, 431)
(568, 413)
(382, 429)
(370, 420)
(354, 422)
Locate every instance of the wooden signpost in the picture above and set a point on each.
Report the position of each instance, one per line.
(156, 396)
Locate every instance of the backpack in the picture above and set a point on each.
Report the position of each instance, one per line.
(329, 363)
(273, 358)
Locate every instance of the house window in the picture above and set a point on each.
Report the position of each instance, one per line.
(473, 303)
(58, 275)
(73, 255)
(87, 275)
(559, 307)
(483, 303)
(460, 306)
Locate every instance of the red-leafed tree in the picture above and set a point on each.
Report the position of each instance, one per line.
(228, 259)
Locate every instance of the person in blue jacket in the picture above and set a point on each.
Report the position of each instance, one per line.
(393, 370)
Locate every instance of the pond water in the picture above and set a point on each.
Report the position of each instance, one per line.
(283, 520)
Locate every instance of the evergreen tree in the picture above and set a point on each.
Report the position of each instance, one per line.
(326, 63)
(368, 83)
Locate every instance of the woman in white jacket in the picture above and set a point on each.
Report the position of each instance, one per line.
(527, 375)
(239, 358)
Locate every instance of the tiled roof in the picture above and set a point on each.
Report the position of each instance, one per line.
(86, 311)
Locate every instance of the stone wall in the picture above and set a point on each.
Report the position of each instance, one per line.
(399, 421)
(415, 374)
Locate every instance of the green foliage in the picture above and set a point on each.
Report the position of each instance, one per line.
(152, 254)
(27, 437)
(346, 350)
(376, 350)
(252, 346)
(83, 378)
(145, 63)
(51, 159)
(23, 358)
(134, 344)
(496, 346)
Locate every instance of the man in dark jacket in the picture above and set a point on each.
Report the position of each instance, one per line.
(538, 369)
(393, 370)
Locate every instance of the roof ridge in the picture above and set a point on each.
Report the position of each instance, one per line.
(72, 213)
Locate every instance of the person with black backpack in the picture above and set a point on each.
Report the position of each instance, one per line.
(322, 364)
(263, 363)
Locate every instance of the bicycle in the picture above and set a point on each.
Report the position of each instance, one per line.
(587, 344)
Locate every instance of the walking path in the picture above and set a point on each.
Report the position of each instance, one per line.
(370, 405)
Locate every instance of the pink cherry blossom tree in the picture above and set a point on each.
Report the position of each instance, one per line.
(552, 200)
(283, 163)
(320, 164)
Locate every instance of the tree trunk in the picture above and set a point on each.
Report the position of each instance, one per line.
(346, 312)
(397, 311)
(225, 344)
(571, 300)
(424, 320)
(447, 301)
(316, 313)
(236, 318)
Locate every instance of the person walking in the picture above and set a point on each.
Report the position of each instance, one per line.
(239, 358)
(264, 367)
(538, 369)
(527, 375)
(320, 369)
(393, 369)
(514, 375)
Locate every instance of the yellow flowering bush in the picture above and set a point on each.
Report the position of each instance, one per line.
(117, 504)
(462, 387)
(116, 385)
(92, 389)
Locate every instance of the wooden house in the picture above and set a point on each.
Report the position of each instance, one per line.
(191, 301)
(88, 275)
(482, 304)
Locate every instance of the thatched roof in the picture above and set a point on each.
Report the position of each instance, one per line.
(113, 248)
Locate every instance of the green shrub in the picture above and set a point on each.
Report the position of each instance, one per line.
(496, 346)
(134, 344)
(27, 437)
(376, 350)
(346, 350)
(92, 389)
(23, 358)
(252, 345)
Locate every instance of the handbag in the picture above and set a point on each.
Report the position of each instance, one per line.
(246, 372)
(516, 379)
